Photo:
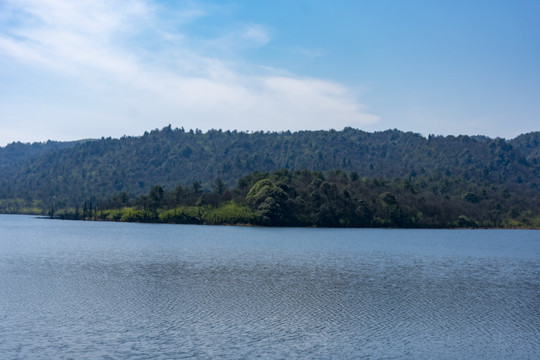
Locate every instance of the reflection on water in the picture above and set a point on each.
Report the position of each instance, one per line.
(94, 290)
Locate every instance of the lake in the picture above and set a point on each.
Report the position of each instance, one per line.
(95, 290)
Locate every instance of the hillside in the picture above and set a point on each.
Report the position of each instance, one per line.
(71, 173)
(16, 154)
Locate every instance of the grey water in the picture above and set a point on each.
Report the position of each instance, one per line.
(94, 290)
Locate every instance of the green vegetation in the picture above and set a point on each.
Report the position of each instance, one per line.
(324, 199)
(227, 213)
(386, 179)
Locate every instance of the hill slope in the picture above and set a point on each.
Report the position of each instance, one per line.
(70, 173)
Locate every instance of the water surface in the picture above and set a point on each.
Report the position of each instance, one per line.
(112, 290)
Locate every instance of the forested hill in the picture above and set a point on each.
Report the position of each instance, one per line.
(15, 154)
(70, 173)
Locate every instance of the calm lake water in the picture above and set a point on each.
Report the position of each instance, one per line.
(113, 291)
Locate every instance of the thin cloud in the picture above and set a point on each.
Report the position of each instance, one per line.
(312, 53)
(126, 65)
(256, 34)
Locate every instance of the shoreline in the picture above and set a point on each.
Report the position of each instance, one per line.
(45, 217)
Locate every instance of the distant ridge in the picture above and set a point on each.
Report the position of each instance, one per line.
(71, 172)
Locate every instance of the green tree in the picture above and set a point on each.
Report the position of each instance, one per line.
(219, 186)
(197, 187)
(155, 197)
(268, 201)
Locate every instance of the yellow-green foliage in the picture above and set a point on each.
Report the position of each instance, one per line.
(229, 213)
(126, 214)
(112, 214)
(131, 214)
(524, 222)
(181, 215)
(19, 206)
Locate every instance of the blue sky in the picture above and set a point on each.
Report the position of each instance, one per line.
(73, 69)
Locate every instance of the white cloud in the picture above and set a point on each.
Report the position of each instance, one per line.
(120, 67)
(257, 34)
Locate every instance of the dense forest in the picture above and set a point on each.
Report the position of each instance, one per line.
(324, 199)
(319, 178)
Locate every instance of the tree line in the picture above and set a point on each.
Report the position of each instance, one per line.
(323, 199)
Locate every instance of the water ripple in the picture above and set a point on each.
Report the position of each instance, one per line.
(346, 306)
